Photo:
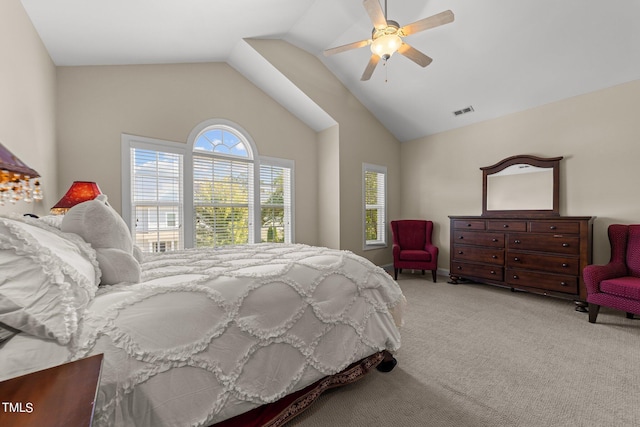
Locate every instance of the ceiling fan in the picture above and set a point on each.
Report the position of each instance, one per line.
(386, 37)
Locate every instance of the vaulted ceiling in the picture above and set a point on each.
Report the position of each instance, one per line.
(497, 56)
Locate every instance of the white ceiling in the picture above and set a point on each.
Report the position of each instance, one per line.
(499, 56)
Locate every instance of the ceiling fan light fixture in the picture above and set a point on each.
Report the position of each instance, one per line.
(386, 45)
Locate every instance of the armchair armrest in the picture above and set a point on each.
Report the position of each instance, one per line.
(396, 251)
(594, 274)
(432, 249)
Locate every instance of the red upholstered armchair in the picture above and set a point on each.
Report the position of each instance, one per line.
(617, 284)
(412, 247)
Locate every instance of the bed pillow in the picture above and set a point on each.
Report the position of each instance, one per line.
(105, 230)
(48, 278)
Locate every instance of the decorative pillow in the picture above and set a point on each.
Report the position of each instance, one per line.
(48, 278)
(101, 226)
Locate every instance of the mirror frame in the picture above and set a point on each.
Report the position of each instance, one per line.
(541, 162)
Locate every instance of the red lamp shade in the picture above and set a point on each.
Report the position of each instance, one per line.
(80, 191)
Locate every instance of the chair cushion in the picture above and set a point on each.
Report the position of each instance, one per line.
(415, 255)
(627, 287)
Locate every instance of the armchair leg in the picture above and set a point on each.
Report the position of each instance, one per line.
(395, 274)
(433, 273)
(629, 315)
(593, 312)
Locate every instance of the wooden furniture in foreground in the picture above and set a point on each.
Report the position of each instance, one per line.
(540, 255)
(62, 396)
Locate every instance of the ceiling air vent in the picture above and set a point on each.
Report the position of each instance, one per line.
(466, 110)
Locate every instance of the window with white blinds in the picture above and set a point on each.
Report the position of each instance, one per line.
(374, 180)
(156, 195)
(276, 207)
(229, 196)
(223, 182)
(222, 201)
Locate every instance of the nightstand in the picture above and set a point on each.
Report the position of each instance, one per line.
(62, 396)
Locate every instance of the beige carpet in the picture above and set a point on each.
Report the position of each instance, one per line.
(477, 355)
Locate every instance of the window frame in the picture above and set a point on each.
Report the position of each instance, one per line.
(129, 142)
(285, 164)
(186, 150)
(253, 158)
(383, 242)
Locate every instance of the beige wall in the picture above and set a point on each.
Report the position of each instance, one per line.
(27, 102)
(328, 182)
(361, 139)
(598, 134)
(97, 104)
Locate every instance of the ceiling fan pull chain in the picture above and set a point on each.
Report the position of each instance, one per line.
(386, 72)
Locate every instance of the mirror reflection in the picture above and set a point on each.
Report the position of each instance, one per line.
(520, 187)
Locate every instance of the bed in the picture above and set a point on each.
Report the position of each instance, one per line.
(206, 336)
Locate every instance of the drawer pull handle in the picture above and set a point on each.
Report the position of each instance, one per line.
(468, 225)
(517, 242)
(505, 226)
(459, 268)
(565, 245)
(515, 276)
(494, 240)
(564, 284)
(553, 227)
(565, 265)
(494, 256)
(516, 259)
(493, 272)
(461, 237)
(460, 252)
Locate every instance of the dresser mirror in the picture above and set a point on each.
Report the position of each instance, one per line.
(521, 185)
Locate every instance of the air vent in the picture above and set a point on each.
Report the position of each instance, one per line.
(466, 110)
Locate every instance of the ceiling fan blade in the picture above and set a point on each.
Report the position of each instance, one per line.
(370, 67)
(375, 13)
(415, 55)
(354, 45)
(426, 23)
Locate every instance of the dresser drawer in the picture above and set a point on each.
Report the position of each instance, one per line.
(545, 281)
(477, 254)
(507, 225)
(566, 227)
(477, 270)
(553, 243)
(469, 225)
(551, 263)
(494, 240)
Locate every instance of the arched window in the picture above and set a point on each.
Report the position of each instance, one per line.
(223, 186)
(215, 190)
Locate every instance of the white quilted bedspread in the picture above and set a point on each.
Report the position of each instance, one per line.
(213, 333)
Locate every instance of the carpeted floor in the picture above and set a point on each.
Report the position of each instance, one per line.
(477, 355)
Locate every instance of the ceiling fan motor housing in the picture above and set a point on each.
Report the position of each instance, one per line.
(386, 40)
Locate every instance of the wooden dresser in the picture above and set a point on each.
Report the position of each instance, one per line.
(544, 255)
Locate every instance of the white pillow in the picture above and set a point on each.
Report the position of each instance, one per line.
(48, 278)
(105, 230)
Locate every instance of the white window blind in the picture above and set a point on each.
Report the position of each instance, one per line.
(156, 199)
(222, 197)
(374, 198)
(276, 224)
